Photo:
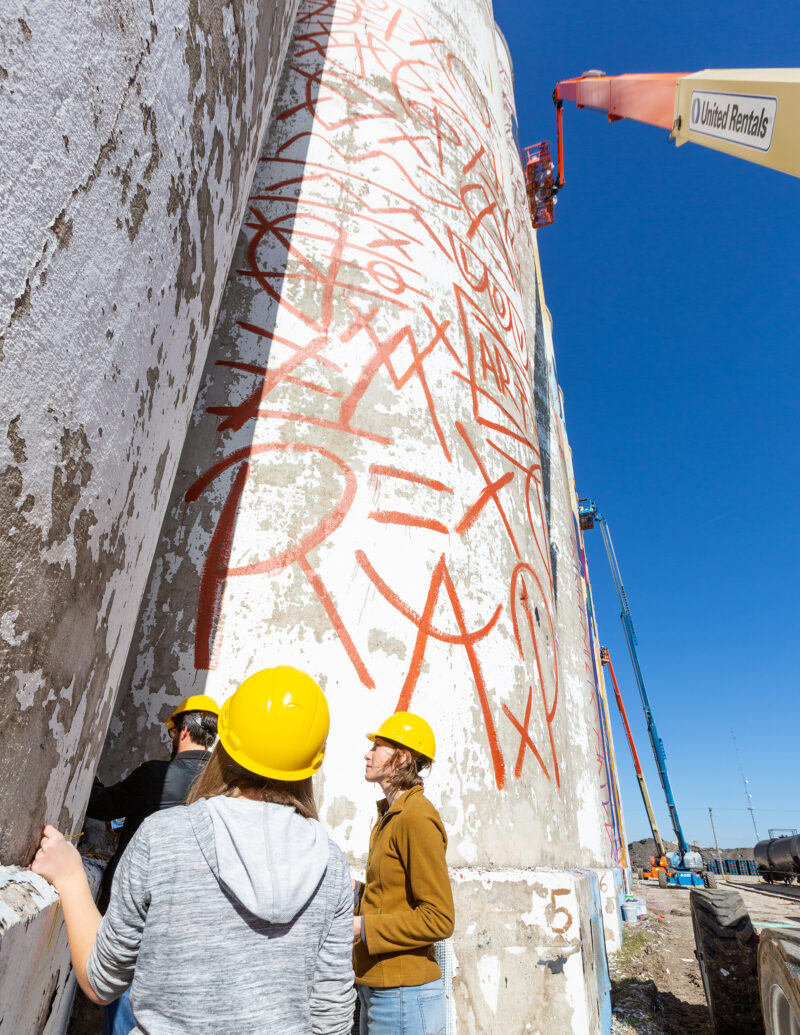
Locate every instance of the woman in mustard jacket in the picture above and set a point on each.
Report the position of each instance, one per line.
(406, 903)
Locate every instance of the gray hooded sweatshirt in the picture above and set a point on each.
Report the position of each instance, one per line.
(233, 917)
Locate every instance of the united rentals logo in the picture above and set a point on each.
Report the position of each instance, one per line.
(739, 118)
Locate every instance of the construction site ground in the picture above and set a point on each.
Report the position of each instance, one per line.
(656, 988)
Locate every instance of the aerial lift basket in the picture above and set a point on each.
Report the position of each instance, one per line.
(540, 184)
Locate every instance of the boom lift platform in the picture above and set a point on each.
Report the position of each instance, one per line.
(676, 869)
(751, 113)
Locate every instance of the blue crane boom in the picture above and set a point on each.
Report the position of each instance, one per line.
(589, 516)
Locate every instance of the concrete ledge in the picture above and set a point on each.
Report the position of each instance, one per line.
(529, 953)
(612, 894)
(36, 980)
(23, 895)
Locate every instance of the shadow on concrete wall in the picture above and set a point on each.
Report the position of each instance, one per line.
(218, 446)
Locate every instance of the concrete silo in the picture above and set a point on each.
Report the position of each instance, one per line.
(376, 487)
(130, 137)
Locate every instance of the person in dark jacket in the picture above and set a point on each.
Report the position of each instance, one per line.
(158, 784)
(152, 786)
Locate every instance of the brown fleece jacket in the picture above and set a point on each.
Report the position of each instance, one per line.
(406, 903)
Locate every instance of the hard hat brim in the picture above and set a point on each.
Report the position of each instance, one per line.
(417, 737)
(193, 703)
(252, 766)
(398, 744)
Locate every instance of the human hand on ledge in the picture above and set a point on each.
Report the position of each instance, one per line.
(58, 861)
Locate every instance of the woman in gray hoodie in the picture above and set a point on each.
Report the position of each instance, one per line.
(232, 914)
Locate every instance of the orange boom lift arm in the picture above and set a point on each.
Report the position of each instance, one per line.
(658, 861)
(749, 113)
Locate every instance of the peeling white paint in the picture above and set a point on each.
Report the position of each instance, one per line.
(27, 685)
(489, 977)
(68, 740)
(42, 893)
(337, 616)
(7, 630)
(129, 144)
(121, 203)
(612, 895)
(35, 956)
(468, 851)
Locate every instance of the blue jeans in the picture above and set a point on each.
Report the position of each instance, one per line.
(118, 1016)
(407, 1010)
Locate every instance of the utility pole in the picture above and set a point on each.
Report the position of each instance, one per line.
(716, 843)
(746, 791)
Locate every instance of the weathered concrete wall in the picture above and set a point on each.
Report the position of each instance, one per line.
(130, 135)
(614, 885)
(35, 1000)
(362, 490)
(531, 956)
(376, 485)
(599, 792)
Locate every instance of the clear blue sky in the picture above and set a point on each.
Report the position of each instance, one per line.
(673, 277)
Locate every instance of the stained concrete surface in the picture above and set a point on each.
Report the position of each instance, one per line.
(129, 141)
(35, 996)
(130, 137)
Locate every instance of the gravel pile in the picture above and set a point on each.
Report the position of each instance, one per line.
(640, 852)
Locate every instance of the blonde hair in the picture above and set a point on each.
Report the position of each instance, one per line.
(406, 765)
(223, 776)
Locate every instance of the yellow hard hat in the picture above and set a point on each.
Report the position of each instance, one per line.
(411, 731)
(195, 703)
(276, 724)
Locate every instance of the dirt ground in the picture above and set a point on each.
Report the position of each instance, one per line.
(656, 984)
